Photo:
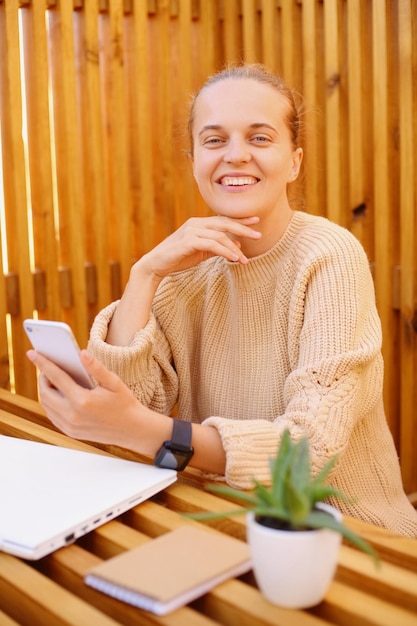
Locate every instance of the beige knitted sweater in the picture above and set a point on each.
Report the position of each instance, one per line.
(292, 339)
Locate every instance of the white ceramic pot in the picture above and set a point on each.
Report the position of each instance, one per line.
(294, 568)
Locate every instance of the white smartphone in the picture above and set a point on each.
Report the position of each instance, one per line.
(56, 341)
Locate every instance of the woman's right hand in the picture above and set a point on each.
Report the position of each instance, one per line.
(195, 241)
(198, 239)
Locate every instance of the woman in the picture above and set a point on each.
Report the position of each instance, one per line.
(256, 319)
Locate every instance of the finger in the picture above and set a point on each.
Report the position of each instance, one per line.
(235, 226)
(55, 375)
(219, 244)
(106, 379)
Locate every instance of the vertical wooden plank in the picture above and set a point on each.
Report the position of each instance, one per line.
(232, 31)
(333, 116)
(209, 56)
(67, 155)
(14, 190)
(355, 116)
(4, 352)
(360, 138)
(94, 175)
(162, 121)
(140, 135)
(35, 47)
(383, 233)
(408, 240)
(185, 188)
(269, 22)
(116, 136)
(251, 29)
(290, 42)
(314, 154)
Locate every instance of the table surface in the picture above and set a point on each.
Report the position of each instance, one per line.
(51, 591)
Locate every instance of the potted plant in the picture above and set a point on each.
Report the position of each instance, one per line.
(294, 537)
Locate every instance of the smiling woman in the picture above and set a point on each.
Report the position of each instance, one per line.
(244, 154)
(254, 321)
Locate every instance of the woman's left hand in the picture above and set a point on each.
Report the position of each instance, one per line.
(108, 414)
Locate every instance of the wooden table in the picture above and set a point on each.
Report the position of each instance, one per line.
(51, 591)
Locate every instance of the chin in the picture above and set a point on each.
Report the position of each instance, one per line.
(235, 212)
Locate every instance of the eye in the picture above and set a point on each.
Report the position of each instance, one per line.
(260, 139)
(212, 141)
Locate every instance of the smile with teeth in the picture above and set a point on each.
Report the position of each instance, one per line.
(238, 180)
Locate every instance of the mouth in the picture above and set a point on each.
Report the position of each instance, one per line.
(238, 181)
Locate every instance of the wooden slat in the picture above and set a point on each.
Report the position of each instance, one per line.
(161, 124)
(384, 232)
(62, 61)
(390, 582)
(232, 34)
(14, 188)
(21, 406)
(346, 606)
(35, 47)
(313, 122)
(185, 187)
(5, 620)
(40, 601)
(116, 138)
(140, 135)
(391, 548)
(408, 240)
(4, 353)
(359, 213)
(250, 31)
(332, 63)
(269, 22)
(290, 42)
(13, 426)
(94, 173)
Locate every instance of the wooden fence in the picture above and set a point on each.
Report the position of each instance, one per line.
(93, 108)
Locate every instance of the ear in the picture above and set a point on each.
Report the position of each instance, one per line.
(297, 157)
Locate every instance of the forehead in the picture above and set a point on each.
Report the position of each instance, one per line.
(240, 101)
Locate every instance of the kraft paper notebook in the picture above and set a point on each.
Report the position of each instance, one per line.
(50, 496)
(172, 570)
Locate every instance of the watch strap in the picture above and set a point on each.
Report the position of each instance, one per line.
(181, 434)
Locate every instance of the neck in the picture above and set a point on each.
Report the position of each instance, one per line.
(272, 230)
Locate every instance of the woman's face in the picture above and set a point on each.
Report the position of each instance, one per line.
(243, 154)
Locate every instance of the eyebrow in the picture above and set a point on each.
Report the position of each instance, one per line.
(255, 125)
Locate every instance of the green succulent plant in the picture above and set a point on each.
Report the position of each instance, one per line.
(289, 502)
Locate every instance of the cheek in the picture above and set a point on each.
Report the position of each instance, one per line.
(202, 170)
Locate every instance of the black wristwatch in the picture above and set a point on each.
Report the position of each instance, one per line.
(176, 454)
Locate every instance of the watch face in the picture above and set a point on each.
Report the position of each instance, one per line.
(169, 460)
(171, 457)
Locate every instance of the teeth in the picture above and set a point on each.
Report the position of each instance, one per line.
(238, 180)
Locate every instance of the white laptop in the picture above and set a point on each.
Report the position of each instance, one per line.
(50, 496)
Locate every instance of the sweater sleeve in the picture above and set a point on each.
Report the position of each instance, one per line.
(145, 365)
(334, 342)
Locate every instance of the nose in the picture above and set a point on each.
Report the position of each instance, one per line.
(237, 151)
